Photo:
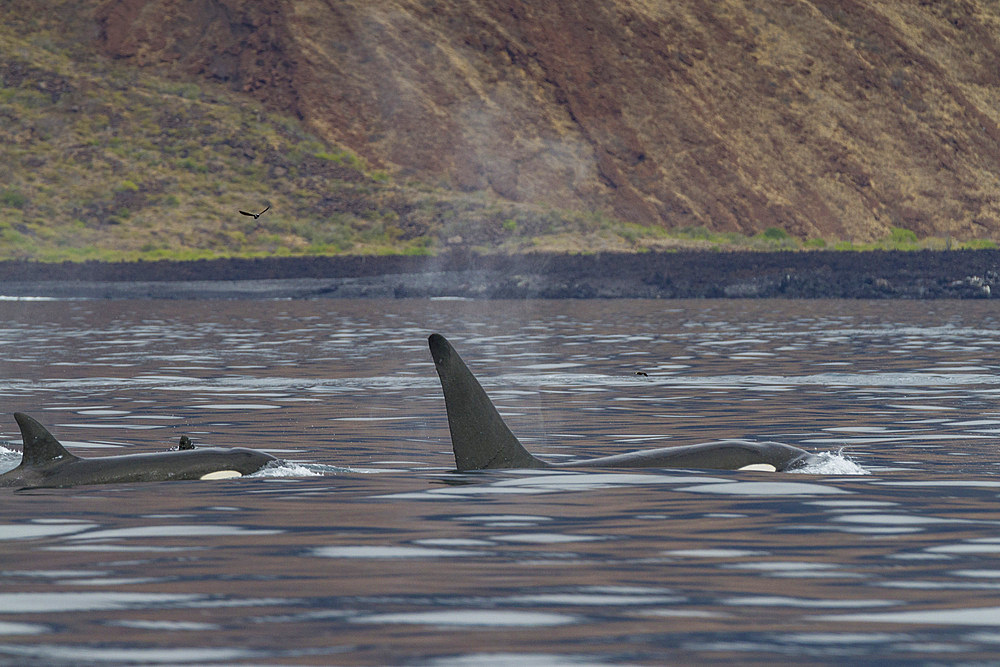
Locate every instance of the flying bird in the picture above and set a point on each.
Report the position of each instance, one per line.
(256, 215)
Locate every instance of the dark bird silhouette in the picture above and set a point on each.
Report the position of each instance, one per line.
(256, 215)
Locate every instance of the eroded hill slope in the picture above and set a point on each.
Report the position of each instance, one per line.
(827, 118)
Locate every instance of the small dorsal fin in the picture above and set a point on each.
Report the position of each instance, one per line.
(479, 435)
(40, 446)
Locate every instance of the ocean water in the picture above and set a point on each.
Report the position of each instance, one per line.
(364, 547)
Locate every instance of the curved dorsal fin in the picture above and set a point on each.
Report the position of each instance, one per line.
(479, 435)
(40, 446)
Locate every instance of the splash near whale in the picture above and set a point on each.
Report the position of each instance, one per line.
(46, 463)
(482, 440)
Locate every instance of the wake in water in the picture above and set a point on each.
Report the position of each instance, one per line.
(9, 458)
(285, 468)
(831, 463)
(825, 463)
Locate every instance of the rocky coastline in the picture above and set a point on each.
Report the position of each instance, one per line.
(962, 274)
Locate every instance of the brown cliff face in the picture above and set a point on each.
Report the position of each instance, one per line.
(824, 117)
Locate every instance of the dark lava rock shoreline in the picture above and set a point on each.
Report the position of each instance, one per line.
(961, 274)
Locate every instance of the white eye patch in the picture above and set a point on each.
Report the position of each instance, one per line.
(229, 474)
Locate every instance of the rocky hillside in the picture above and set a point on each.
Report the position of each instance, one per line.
(826, 118)
(139, 128)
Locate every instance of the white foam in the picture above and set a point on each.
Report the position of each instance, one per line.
(9, 459)
(831, 463)
(283, 468)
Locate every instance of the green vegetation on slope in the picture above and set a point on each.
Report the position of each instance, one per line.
(100, 160)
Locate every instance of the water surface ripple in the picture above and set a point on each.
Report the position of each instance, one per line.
(365, 548)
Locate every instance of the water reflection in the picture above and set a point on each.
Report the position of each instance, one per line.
(361, 551)
(90, 655)
(459, 618)
(73, 601)
(361, 547)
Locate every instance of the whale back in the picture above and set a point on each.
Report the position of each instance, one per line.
(482, 440)
(46, 463)
(479, 436)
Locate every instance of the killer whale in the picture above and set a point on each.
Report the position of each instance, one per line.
(46, 463)
(482, 440)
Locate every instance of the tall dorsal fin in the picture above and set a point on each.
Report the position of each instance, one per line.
(40, 446)
(479, 435)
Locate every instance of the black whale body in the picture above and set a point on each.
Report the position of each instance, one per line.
(46, 463)
(482, 440)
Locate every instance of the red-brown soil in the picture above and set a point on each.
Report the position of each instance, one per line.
(831, 118)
